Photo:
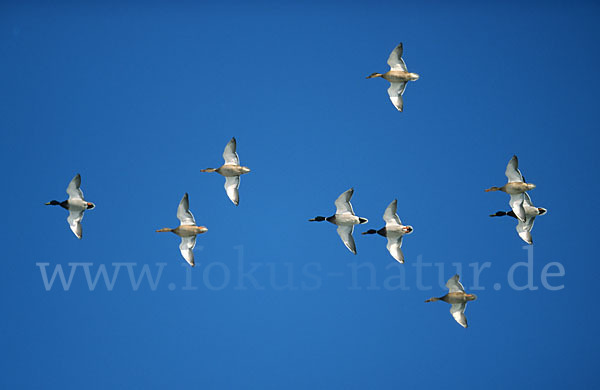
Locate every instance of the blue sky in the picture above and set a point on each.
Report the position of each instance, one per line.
(138, 98)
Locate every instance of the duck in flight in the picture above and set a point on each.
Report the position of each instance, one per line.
(516, 188)
(76, 205)
(458, 298)
(345, 219)
(187, 230)
(231, 170)
(398, 76)
(394, 230)
(524, 227)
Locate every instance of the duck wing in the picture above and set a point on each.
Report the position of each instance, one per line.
(187, 247)
(184, 214)
(342, 203)
(458, 312)
(395, 91)
(454, 285)
(232, 183)
(516, 204)
(393, 246)
(74, 219)
(390, 216)
(512, 171)
(395, 60)
(73, 189)
(524, 227)
(229, 154)
(345, 233)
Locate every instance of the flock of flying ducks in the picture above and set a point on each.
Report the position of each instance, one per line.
(344, 218)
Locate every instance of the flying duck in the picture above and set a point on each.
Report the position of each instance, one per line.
(515, 187)
(398, 76)
(458, 298)
(187, 230)
(231, 170)
(76, 205)
(345, 219)
(393, 230)
(524, 227)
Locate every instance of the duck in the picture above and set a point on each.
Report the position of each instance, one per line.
(458, 298)
(524, 227)
(394, 230)
(232, 170)
(398, 76)
(516, 187)
(345, 219)
(76, 204)
(187, 230)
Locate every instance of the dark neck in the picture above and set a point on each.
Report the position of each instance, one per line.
(63, 204)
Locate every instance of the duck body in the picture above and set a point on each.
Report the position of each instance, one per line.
(393, 230)
(398, 76)
(76, 205)
(345, 219)
(231, 170)
(458, 298)
(187, 230)
(525, 226)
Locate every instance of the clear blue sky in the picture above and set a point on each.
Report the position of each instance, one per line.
(138, 98)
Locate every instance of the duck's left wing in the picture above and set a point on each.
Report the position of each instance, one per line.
(393, 246)
(342, 203)
(73, 189)
(395, 60)
(512, 171)
(390, 216)
(516, 204)
(187, 249)
(229, 154)
(458, 312)
(232, 183)
(345, 233)
(395, 91)
(454, 285)
(184, 214)
(74, 219)
(524, 229)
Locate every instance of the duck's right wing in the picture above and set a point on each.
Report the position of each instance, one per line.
(524, 227)
(342, 203)
(184, 214)
(395, 91)
(512, 171)
(73, 189)
(454, 285)
(393, 246)
(395, 60)
(229, 154)
(345, 233)
(232, 183)
(458, 312)
(74, 219)
(187, 249)
(390, 216)
(516, 204)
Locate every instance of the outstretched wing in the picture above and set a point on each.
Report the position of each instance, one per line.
(395, 91)
(342, 203)
(458, 312)
(232, 183)
(229, 154)
(390, 216)
(393, 246)
(454, 285)
(74, 219)
(395, 60)
(512, 170)
(516, 204)
(187, 249)
(345, 233)
(184, 214)
(73, 189)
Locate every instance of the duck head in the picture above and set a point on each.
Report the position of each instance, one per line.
(53, 203)
(374, 75)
